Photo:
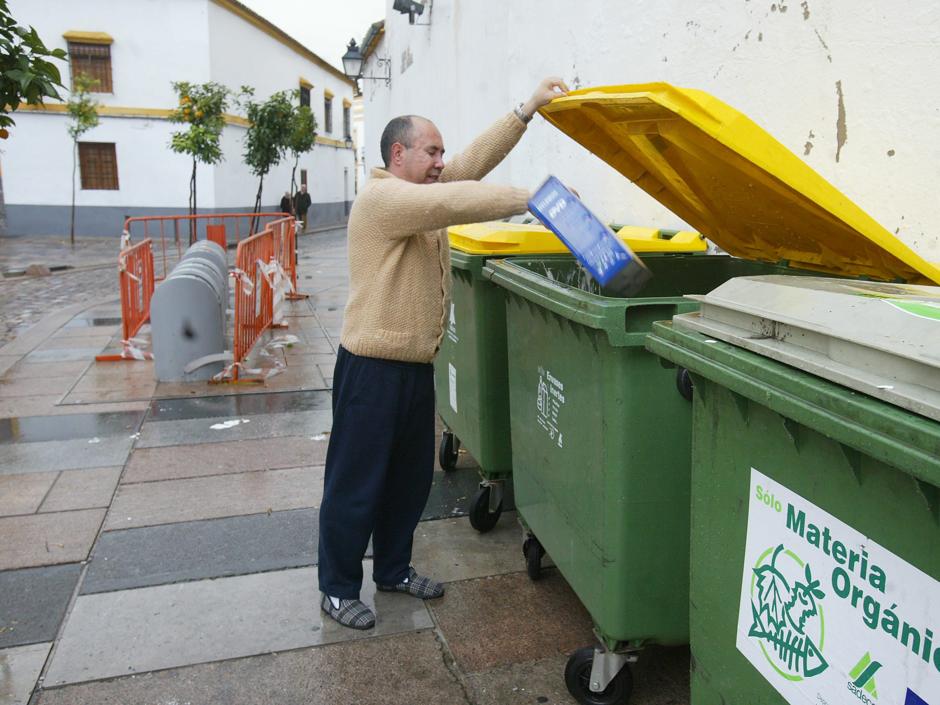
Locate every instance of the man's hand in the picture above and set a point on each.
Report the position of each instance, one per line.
(549, 89)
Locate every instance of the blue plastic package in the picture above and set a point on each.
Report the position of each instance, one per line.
(604, 255)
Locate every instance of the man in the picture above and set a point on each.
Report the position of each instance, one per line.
(301, 204)
(380, 458)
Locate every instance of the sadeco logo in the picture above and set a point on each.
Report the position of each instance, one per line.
(863, 675)
(788, 617)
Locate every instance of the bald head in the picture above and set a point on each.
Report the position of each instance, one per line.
(412, 149)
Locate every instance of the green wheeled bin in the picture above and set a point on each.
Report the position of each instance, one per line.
(815, 554)
(600, 439)
(470, 368)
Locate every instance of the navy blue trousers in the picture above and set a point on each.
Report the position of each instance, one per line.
(379, 466)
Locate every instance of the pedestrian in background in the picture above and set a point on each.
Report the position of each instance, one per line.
(301, 205)
(286, 206)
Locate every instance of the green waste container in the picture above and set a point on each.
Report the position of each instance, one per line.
(600, 439)
(470, 368)
(815, 554)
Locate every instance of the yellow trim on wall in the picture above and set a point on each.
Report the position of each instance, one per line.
(236, 8)
(304, 83)
(88, 37)
(155, 114)
(328, 94)
(330, 142)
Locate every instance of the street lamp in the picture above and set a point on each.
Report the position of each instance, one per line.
(352, 65)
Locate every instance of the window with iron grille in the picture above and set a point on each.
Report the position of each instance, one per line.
(347, 127)
(305, 96)
(303, 177)
(93, 60)
(98, 164)
(328, 114)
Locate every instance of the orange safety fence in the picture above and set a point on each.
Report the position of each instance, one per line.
(285, 250)
(172, 233)
(135, 273)
(254, 295)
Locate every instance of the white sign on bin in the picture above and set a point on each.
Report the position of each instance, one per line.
(828, 616)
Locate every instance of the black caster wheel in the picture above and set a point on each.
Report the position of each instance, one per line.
(481, 518)
(447, 455)
(533, 552)
(684, 383)
(578, 680)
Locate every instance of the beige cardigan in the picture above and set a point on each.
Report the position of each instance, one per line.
(399, 255)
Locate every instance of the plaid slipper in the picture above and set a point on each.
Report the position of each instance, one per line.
(350, 613)
(416, 585)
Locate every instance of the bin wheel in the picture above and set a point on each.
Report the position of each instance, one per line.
(481, 518)
(578, 680)
(447, 456)
(684, 383)
(533, 552)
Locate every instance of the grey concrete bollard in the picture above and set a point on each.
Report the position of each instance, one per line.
(188, 317)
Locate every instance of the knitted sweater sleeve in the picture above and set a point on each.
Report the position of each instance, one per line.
(403, 209)
(486, 151)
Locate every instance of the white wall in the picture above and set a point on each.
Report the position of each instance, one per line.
(779, 62)
(271, 66)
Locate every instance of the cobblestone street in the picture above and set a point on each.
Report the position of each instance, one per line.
(25, 300)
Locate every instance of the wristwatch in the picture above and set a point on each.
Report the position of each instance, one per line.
(520, 113)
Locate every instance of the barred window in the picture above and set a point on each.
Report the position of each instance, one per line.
(93, 60)
(98, 164)
(305, 96)
(303, 177)
(328, 114)
(347, 127)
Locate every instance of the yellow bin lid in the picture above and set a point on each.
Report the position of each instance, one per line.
(725, 176)
(510, 239)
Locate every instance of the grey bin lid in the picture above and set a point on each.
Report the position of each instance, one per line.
(880, 339)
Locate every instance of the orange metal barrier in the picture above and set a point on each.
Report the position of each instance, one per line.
(285, 250)
(135, 271)
(171, 233)
(254, 296)
(216, 233)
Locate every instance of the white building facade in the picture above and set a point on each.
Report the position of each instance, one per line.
(847, 86)
(151, 44)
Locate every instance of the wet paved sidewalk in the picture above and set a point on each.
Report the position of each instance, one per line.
(152, 550)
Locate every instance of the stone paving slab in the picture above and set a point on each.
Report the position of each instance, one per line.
(84, 328)
(30, 387)
(84, 394)
(117, 633)
(453, 491)
(196, 550)
(47, 539)
(189, 431)
(408, 668)
(32, 603)
(81, 489)
(30, 429)
(505, 619)
(63, 355)
(22, 494)
(238, 406)
(151, 503)
(48, 405)
(19, 669)
(26, 370)
(56, 342)
(227, 457)
(525, 683)
(43, 456)
(451, 550)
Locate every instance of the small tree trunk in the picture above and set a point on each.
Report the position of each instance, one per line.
(293, 180)
(74, 167)
(192, 204)
(257, 208)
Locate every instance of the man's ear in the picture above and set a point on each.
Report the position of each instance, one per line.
(397, 149)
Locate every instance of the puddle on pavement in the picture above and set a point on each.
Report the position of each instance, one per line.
(93, 322)
(238, 405)
(32, 429)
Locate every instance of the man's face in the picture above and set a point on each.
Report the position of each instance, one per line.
(423, 161)
(303, 188)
